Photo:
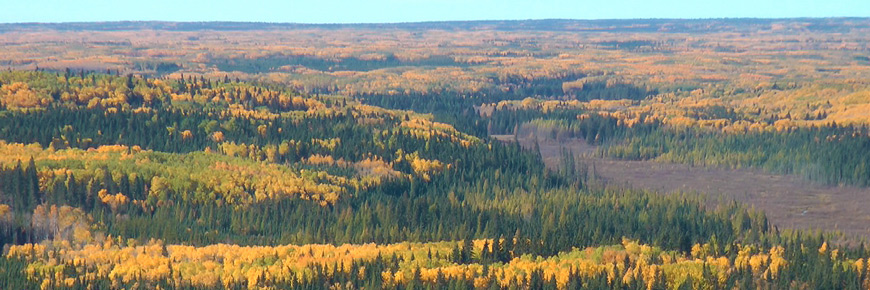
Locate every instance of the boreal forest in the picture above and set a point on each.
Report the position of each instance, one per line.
(540, 154)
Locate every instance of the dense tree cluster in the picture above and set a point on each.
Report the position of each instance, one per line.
(829, 154)
(323, 192)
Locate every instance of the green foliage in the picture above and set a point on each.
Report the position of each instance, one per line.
(489, 190)
(830, 155)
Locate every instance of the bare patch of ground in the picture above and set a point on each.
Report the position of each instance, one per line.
(789, 201)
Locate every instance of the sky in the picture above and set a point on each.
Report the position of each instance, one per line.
(381, 11)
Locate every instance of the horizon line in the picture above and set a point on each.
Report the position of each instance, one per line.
(434, 21)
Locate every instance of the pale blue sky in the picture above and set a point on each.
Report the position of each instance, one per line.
(368, 11)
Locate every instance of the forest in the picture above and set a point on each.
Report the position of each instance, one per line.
(339, 160)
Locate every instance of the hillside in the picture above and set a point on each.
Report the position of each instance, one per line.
(271, 156)
(201, 162)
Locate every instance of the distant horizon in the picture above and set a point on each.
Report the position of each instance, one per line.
(438, 21)
(415, 11)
